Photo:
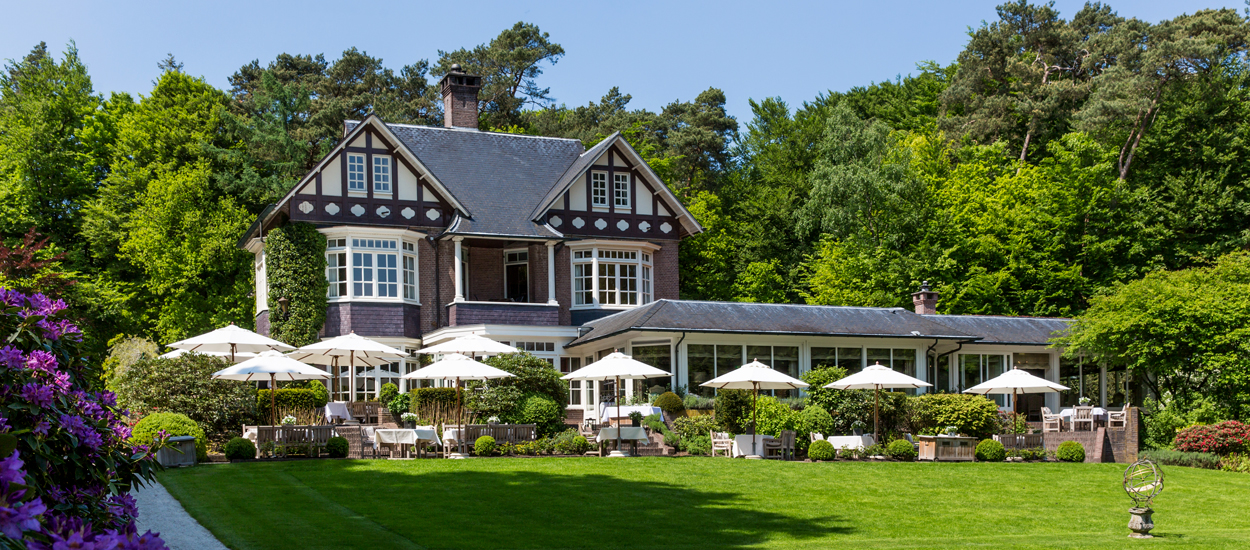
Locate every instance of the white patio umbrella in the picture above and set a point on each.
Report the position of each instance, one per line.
(470, 344)
(230, 339)
(357, 350)
(457, 367)
(618, 366)
(241, 356)
(877, 377)
(274, 364)
(1013, 382)
(755, 376)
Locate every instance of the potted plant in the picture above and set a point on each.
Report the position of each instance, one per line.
(288, 420)
(636, 418)
(492, 420)
(951, 431)
(1084, 401)
(857, 427)
(409, 420)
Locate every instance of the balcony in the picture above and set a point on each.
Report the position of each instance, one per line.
(502, 313)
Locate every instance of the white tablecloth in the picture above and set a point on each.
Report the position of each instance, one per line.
(742, 444)
(850, 441)
(249, 432)
(1099, 414)
(609, 411)
(628, 433)
(451, 434)
(404, 436)
(337, 409)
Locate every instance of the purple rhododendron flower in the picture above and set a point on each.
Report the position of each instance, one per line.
(60, 382)
(55, 330)
(41, 427)
(43, 305)
(4, 425)
(11, 469)
(40, 360)
(121, 431)
(11, 357)
(86, 434)
(123, 506)
(14, 520)
(37, 394)
(12, 298)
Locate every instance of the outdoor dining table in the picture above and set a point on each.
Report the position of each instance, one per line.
(407, 437)
(850, 441)
(742, 444)
(632, 434)
(337, 409)
(1100, 414)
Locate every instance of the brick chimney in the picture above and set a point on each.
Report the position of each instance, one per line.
(926, 300)
(460, 98)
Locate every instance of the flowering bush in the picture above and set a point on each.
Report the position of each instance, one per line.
(288, 420)
(67, 467)
(1224, 438)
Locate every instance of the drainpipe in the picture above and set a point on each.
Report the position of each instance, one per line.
(960, 346)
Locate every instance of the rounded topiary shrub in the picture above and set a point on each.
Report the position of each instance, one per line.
(543, 412)
(1070, 451)
(580, 444)
(821, 450)
(336, 447)
(989, 450)
(901, 449)
(484, 446)
(240, 449)
(174, 424)
(670, 403)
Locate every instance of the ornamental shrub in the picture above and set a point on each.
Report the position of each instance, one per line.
(399, 405)
(670, 403)
(240, 449)
(545, 413)
(387, 392)
(821, 450)
(337, 447)
(733, 410)
(699, 445)
(989, 450)
(531, 375)
(484, 446)
(185, 385)
(773, 416)
(173, 424)
(972, 415)
(813, 419)
(580, 445)
(1224, 438)
(901, 449)
(690, 426)
(1070, 451)
(288, 398)
(569, 442)
(1236, 462)
(295, 268)
(319, 389)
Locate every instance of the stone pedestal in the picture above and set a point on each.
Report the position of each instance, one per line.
(1140, 523)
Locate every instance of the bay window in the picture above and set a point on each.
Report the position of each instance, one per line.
(410, 272)
(614, 278)
(379, 268)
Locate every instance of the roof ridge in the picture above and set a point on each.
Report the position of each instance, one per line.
(877, 308)
(478, 132)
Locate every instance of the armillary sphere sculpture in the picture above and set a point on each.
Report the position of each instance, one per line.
(1143, 480)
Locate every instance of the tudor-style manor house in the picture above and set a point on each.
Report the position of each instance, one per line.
(569, 253)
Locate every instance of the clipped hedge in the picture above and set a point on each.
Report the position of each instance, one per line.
(989, 450)
(1070, 451)
(1167, 457)
(290, 398)
(901, 449)
(240, 449)
(433, 396)
(336, 447)
(670, 403)
(295, 268)
(821, 450)
(484, 446)
(173, 424)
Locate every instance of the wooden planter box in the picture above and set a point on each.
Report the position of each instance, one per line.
(947, 448)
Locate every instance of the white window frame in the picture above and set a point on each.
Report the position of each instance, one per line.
(377, 269)
(609, 287)
(599, 189)
(620, 190)
(338, 279)
(382, 174)
(356, 173)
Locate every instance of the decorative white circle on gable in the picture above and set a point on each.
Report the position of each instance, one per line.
(555, 221)
(332, 209)
(358, 210)
(432, 214)
(600, 223)
(644, 226)
(622, 225)
(578, 223)
(305, 207)
(407, 213)
(383, 211)
(665, 227)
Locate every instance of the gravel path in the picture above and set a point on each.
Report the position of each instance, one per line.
(161, 513)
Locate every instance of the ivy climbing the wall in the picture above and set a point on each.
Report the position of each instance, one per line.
(295, 257)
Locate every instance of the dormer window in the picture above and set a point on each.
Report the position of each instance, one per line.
(598, 189)
(381, 174)
(356, 173)
(620, 190)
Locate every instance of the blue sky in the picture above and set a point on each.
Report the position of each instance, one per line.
(658, 52)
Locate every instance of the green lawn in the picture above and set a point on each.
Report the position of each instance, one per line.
(698, 503)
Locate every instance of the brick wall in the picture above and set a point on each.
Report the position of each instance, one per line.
(1104, 444)
(427, 273)
(665, 263)
(485, 274)
(447, 271)
(538, 273)
(564, 284)
(262, 323)
(502, 314)
(372, 319)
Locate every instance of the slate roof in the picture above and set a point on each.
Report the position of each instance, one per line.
(749, 318)
(496, 176)
(583, 162)
(994, 329)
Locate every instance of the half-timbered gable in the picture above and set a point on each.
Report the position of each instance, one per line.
(610, 192)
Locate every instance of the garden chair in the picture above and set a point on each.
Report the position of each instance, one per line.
(784, 446)
(1051, 422)
(915, 444)
(450, 444)
(817, 437)
(722, 442)
(1083, 415)
(1119, 417)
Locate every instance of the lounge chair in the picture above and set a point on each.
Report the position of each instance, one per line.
(1051, 422)
(1119, 417)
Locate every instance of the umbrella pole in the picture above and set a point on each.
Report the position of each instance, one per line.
(232, 354)
(617, 390)
(876, 416)
(273, 392)
(754, 416)
(460, 418)
(334, 383)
